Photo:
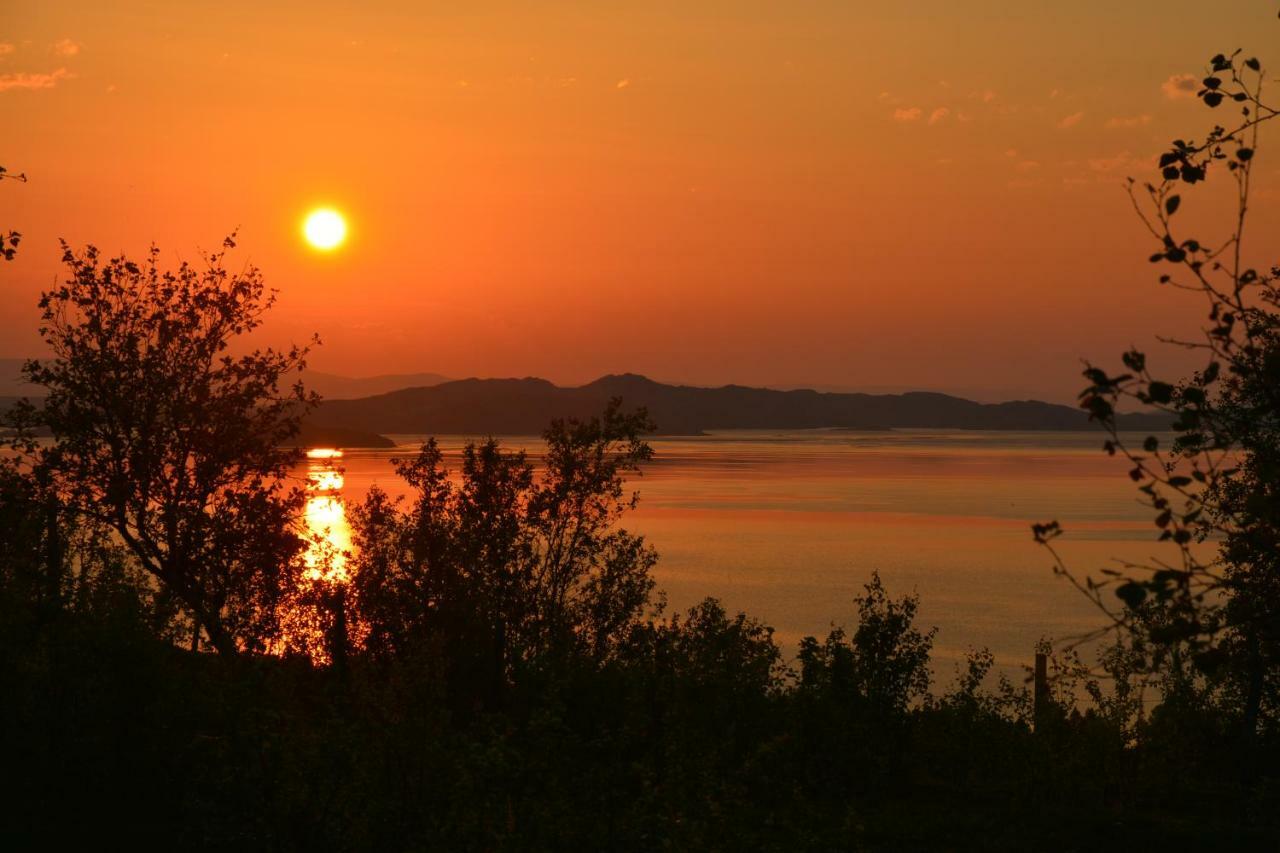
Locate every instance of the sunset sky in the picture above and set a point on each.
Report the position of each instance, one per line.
(843, 194)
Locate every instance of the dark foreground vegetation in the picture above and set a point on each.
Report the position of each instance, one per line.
(686, 735)
(492, 669)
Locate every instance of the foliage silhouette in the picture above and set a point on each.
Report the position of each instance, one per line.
(9, 241)
(508, 569)
(1207, 621)
(165, 438)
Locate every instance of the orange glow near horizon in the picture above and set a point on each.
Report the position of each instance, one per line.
(842, 195)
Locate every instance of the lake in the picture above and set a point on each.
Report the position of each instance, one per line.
(789, 526)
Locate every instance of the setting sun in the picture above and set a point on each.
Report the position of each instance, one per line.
(325, 229)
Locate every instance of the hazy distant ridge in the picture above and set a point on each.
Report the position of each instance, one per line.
(11, 384)
(334, 387)
(525, 406)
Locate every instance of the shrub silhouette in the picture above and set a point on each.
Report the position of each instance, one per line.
(507, 569)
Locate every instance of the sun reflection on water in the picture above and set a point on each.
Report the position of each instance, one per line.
(325, 517)
(308, 616)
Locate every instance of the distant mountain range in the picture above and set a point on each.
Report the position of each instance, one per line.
(526, 406)
(356, 411)
(334, 387)
(11, 384)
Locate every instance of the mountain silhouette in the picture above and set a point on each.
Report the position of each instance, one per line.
(11, 382)
(331, 386)
(526, 406)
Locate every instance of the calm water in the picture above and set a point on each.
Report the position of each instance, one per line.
(789, 526)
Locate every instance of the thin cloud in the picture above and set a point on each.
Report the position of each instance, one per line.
(1070, 121)
(1129, 121)
(1180, 86)
(6, 48)
(940, 114)
(1027, 166)
(21, 80)
(66, 47)
(623, 83)
(1122, 162)
(912, 114)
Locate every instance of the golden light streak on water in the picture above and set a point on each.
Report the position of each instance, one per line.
(325, 481)
(307, 618)
(325, 518)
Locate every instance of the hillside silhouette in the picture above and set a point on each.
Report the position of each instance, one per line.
(525, 406)
(12, 384)
(332, 386)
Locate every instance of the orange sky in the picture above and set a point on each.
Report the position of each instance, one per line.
(843, 194)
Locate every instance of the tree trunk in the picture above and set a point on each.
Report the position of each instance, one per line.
(53, 554)
(218, 636)
(1252, 709)
(338, 636)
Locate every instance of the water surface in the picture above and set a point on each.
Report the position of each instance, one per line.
(789, 526)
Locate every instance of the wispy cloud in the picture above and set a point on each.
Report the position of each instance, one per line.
(940, 114)
(912, 114)
(22, 80)
(1180, 86)
(6, 48)
(623, 83)
(66, 47)
(1071, 120)
(1122, 162)
(1129, 121)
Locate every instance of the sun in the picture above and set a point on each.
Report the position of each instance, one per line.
(325, 229)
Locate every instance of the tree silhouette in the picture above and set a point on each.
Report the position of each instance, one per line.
(1215, 490)
(163, 436)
